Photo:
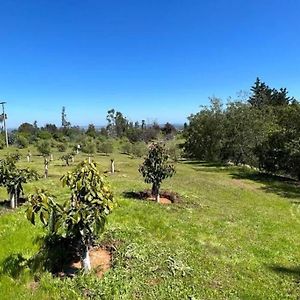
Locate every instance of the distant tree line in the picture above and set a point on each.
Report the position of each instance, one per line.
(262, 131)
(133, 135)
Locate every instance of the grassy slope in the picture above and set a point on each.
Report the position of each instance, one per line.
(231, 238)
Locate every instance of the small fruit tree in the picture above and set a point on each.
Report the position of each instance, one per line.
(155, 168)
(13, 178)
(66, 158)
(83, 216)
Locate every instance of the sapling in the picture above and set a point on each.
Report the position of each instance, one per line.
(13, 178)
(67, 157)
(91, 201)
(155, 168)
(82, 217)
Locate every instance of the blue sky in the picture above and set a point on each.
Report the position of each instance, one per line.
(154, 60)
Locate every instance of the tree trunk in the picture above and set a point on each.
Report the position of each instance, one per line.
(155, 191)
(51, 157)
(28, 158)
(89, 159)
(17, 195)
(12, 200)
(112, 166)
(86, 262)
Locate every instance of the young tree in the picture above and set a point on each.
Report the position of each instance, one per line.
(155, 168)
(106, 147)
(13, 178)
(139, 149)
(126, 147)
(62, 147)
(44, 147)
(66, 158)
(89, 147)
(82, 218)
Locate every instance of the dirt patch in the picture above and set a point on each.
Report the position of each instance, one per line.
(165, 197)
(101, 259)
(162, 200)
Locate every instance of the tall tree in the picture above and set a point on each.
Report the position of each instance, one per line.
(64, 122)
(205, 132)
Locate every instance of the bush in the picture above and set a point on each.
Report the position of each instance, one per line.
(44, 147)
(174, 152)
(106, 147)
(21, 141)
(88, 146)
(2, 143)
(62, 147)
(139, 149)
(126, 147)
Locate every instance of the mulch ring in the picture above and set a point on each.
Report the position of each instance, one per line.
(165, 197)
(101, 261)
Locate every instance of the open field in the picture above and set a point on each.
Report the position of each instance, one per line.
(235, 235)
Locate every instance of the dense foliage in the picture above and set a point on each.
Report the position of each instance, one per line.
(263, 131)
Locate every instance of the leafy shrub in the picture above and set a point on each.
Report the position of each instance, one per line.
(2, 143)
(21, 141)
(44, 147)
(126, 147)
(139, 149)
(106, 147)
(62, 147)
(88, 146)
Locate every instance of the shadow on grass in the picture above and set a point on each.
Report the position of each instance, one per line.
(282, 186)
(14, 265)
(201, 163)
(146, 195)
(294, 271)
(209, 167)
(5, 204)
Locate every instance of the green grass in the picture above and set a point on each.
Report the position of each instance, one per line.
(235, 235)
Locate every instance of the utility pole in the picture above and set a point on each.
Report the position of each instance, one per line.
(4, 123)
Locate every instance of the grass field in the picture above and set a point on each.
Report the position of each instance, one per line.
(235, 235)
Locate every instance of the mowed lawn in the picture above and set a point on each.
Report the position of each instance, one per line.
(234, 235)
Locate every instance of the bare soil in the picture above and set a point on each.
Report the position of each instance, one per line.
(100, 262)
(166, 197)
(162, 200)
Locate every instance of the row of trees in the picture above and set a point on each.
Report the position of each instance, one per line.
(263, 131)
(117, 127)
(74, 226)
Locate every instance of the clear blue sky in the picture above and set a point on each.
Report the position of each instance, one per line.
(150, 59)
